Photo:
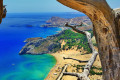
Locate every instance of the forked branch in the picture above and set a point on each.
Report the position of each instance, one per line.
(85, 73)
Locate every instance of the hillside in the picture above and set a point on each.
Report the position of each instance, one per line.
(60, 22)
(52, 43)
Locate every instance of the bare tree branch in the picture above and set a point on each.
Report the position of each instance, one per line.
(90, 63)
(95, 53)
(88, 35)
(72, 74)
(80, 61)
(61, 74)
(85, 73)
(74, 28)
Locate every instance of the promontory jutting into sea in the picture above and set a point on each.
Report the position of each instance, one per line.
(14, 30)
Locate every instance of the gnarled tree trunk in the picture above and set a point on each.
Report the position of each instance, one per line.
(106, 29)
(1, 10)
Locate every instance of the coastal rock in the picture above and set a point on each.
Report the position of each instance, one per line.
(60, 22)
(41, 46)
(53, 43)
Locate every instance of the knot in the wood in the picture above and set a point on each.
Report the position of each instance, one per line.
(105, 30)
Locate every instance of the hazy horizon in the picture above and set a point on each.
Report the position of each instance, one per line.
(46, 12)
(42, 6)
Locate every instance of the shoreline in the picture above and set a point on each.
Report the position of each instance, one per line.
(47, 77)
(58, 56)
(60, 62)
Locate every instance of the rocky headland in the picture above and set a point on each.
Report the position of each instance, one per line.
(52, 43)
(60, 22)
(66, 43)
(41, 45)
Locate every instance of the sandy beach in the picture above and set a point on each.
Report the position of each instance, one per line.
(72, 53)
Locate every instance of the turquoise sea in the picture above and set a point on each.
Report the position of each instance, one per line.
(16, 28)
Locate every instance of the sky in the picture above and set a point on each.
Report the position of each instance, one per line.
(28, 6)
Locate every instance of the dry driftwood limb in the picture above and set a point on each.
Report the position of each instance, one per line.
(80, 61)
(61, 74)
(86, 33)
(72, 74)
(85, 73)
(74, 28)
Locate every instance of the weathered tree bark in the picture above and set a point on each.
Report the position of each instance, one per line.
(106, 29)
(1, 10)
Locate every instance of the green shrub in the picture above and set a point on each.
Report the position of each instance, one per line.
(74, 39)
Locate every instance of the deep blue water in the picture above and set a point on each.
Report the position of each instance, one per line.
(13, 31)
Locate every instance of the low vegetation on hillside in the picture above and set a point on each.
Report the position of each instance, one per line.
(74, 39)
(52, 43)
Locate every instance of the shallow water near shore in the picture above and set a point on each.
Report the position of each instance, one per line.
(33, 67)
(16, 28)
